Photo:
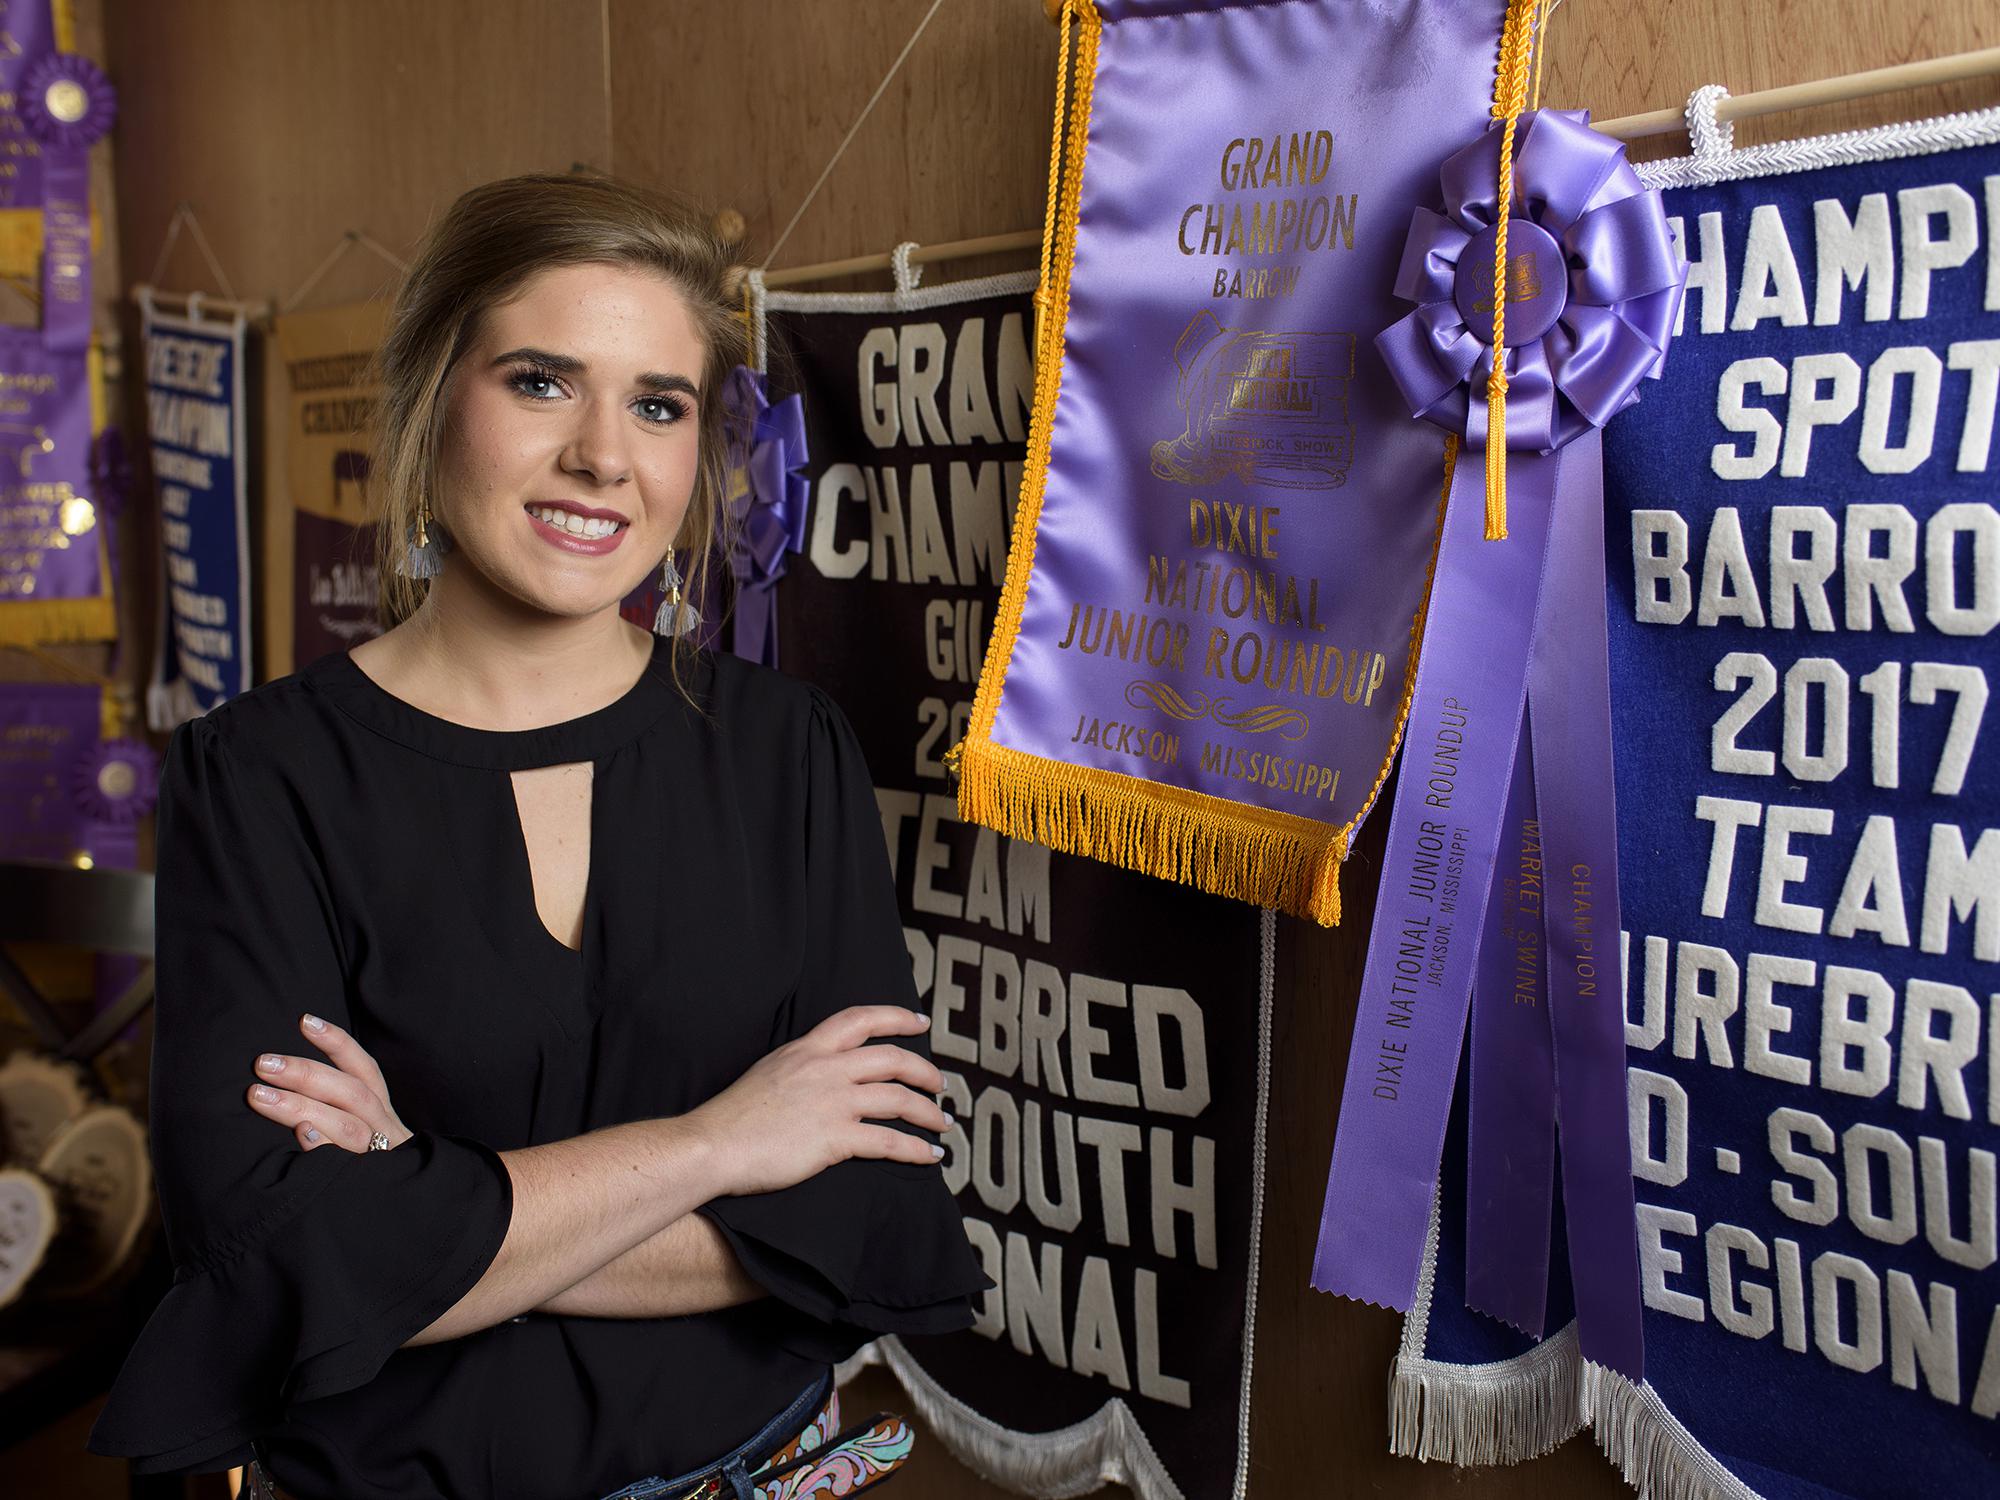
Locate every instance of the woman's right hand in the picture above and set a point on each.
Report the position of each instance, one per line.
(810, 1103)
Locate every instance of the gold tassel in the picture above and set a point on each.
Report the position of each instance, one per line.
(1510, 97)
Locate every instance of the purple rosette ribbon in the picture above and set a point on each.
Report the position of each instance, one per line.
(67, 101)
(116, 781)
(1515, 659)
(68, 105)
(1592, 285)
(768, 500)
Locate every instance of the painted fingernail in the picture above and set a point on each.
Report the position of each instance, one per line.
(949, 1122)
(264, 1095)
(270, 1062)
(936, 1152)
(312, 1135)
(313, 1022)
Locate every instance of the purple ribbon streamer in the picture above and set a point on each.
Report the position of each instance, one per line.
(1417, 983)
(1593, 281)
(1569, 707)
(769, 500)
(68, 104)
(1511, 1135)
(65, 247)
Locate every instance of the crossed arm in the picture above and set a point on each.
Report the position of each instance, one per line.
(604, 1223)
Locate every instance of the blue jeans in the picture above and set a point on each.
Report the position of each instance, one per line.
(736, 1466)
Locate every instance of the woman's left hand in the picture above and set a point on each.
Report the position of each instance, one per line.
(341, 1105)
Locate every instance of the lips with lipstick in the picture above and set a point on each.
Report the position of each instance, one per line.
(578, 528)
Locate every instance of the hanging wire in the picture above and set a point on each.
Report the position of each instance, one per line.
(346, 242)
(1544, 11)
(852, 131)
(184, 215)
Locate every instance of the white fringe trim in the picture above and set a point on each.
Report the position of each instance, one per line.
(1496, 1413)
(1499, 1413)
(1108, 1447)
(1658, 1457)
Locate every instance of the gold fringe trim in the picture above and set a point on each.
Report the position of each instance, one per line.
(47, 622)
(1222, 847)
(52, 622)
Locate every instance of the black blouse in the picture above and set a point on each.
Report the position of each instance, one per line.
(325, 846)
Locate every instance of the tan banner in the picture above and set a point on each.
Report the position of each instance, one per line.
(319, 539)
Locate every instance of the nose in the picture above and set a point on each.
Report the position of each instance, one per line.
(597, 448)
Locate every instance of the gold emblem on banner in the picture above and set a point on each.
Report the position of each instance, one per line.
(1269, 408)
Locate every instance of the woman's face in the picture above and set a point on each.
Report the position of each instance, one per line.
(570, 443)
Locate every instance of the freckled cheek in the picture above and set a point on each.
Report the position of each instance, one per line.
(493, 453)
(672, 479)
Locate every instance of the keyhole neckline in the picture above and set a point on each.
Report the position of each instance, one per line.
(588, 737)
(527, 859)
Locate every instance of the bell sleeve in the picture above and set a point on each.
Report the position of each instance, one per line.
(297, 1274)
(866, 1246)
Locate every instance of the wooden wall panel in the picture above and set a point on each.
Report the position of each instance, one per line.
(289, 123)
(743, 105)
(286, 125)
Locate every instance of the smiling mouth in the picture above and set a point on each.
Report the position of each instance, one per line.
(592, 529)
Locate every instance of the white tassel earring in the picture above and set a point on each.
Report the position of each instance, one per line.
(675, 615)
(425, 546)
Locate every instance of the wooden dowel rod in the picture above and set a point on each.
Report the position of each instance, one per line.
(986, 244)
(1935, 70)
(208, 303)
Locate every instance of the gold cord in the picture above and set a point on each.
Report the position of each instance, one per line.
(1510, 97)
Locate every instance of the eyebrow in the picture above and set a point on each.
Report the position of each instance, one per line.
(569, 364)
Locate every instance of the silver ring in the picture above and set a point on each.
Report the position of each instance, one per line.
(378, 1142)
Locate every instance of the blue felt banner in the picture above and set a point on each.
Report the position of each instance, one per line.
(1804, 563)
(195, 418)
(1803, 555)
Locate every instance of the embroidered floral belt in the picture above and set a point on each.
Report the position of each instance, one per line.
(819, 1461)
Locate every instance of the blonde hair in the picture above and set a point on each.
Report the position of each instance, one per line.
(488, 244)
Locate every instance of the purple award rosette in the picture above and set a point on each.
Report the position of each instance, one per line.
(68, 105)
(117, 781)
(769, 502)
(1593, 282)
(1590, 284)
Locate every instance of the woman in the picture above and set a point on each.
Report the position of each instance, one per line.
(609, 917)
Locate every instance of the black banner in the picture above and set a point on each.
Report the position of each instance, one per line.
(1101, 1032)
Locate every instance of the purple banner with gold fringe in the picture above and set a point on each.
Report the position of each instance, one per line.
(1203, 655)
(55, 553)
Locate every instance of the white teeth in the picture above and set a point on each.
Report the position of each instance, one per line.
(569, 521)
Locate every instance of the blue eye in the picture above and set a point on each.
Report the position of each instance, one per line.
(540, 385)
(523, 381)
(665, 411)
